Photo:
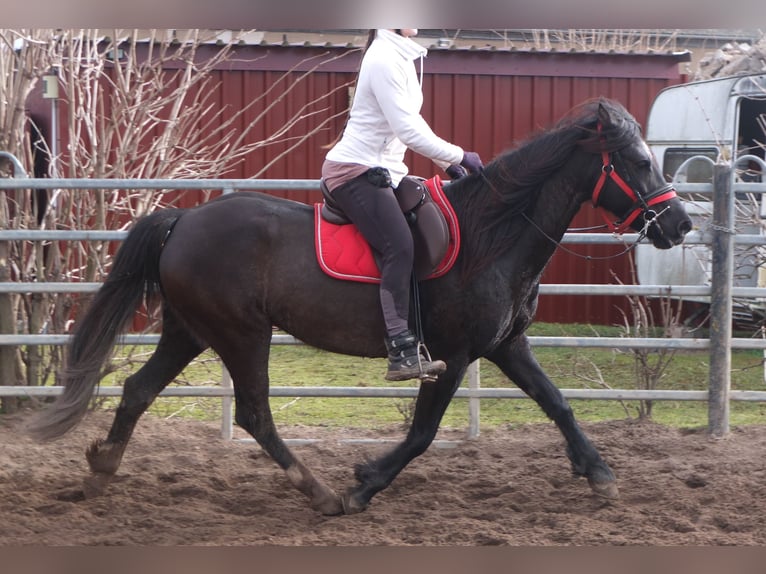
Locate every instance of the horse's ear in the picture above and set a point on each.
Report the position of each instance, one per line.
(604, 117)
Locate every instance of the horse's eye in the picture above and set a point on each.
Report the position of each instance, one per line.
(644, 164)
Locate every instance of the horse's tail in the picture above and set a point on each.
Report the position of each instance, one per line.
(134, 277)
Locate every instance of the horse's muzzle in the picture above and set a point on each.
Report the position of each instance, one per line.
(665, 234)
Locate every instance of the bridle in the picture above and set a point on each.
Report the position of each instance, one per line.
(641, 204)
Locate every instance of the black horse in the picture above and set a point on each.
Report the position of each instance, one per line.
(229, 270)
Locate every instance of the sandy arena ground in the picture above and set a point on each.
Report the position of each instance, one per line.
(181, 484)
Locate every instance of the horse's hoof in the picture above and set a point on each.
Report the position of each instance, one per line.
(95, 484)
(104, 457)
(329, 505)
(606, 490)
(351, 505)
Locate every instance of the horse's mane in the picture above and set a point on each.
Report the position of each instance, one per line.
(489, 222)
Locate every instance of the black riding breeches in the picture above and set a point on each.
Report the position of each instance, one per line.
(376, 213)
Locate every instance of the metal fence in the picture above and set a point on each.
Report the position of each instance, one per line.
(720, 343)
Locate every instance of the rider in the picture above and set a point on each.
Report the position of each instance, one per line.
(365, 166)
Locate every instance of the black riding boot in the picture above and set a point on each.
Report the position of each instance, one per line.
(406, 362)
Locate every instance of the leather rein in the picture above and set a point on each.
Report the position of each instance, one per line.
(641, 204)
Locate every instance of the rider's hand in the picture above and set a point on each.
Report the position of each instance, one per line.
(456, 171)
(472, 162)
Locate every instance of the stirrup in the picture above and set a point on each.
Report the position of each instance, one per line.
(409, 359)
(429, 377)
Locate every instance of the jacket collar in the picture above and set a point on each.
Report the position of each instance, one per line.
(407, 47)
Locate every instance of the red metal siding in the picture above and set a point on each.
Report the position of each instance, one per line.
(482, 100)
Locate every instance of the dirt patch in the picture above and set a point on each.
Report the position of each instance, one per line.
(181, 484)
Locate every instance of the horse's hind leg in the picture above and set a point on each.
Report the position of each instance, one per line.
(176, 348)
(247, 362)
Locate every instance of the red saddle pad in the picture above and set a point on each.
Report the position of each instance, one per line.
(343, 253)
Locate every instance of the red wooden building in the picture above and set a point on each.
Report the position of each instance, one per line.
(481, 99)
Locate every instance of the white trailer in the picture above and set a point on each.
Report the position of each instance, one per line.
(689, 128)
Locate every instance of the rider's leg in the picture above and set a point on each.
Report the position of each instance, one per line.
(376, 213)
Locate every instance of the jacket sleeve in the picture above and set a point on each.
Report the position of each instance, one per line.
(389, 85)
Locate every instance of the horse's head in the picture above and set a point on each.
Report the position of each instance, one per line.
(631, 185)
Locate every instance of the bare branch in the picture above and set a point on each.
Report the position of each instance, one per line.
(133, 105)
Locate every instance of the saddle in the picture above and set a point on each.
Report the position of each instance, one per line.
(343, 253)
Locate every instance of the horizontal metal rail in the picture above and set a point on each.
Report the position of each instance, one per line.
(536, 341)
(692, 238)
(136, 339)
(701, 189)
(545, 289)
(398, 392)
(179, 184)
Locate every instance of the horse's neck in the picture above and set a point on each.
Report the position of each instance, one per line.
(557, 204)
(541, 228)
(555, 208)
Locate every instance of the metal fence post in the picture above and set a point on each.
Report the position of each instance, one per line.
(474, 383)
(722, 247)
(227, 401)
(227, 420)
(7, 318)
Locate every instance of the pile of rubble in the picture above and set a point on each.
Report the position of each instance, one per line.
(733, 59)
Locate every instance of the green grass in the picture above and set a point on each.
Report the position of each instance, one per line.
(573, 368)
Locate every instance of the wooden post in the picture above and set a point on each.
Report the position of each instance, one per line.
(722, 247)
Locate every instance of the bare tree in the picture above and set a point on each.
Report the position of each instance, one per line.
(134, 105)
(24, 56)
(650, 364)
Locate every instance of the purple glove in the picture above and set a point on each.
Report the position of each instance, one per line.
(456, 171)
(472, 162)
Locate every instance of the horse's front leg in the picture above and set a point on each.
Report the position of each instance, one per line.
(516, 360)
(377, 474)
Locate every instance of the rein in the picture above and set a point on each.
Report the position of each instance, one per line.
(628, 248)
(560, 246)
(640, 205)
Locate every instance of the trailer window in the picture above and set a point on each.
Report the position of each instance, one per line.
(750, 138)
(697, 171)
